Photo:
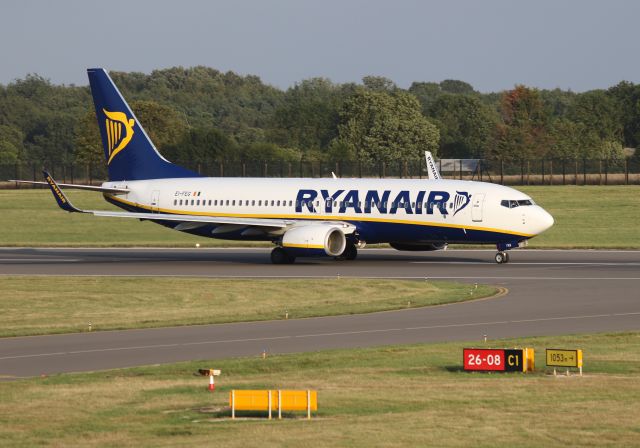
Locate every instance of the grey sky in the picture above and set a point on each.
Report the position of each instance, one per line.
(491, 44)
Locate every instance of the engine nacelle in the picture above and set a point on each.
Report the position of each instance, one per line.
(414, 247)
(314, 239)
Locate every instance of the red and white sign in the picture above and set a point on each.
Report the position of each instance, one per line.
(483, 359)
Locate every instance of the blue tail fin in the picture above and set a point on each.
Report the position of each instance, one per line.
(129, 152)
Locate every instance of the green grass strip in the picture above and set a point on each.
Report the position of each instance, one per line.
(45, 305)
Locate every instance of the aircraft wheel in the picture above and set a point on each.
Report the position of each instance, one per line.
(502, 257)
(350, 252)
(280, 256)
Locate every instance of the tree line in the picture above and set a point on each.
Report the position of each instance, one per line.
(199, 115)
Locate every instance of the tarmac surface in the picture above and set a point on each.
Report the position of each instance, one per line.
(550, 292)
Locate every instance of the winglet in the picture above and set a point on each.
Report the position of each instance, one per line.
(432, 169)
(61, 199)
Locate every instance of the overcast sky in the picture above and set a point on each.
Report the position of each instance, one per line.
(492, 44)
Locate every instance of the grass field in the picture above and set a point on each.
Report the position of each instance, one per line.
(584, 218)
(384, 397)
(589, 216)
(44, 305)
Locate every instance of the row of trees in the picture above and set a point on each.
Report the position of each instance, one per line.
(199, 114)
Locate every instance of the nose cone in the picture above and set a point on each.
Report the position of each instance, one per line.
(543, 220)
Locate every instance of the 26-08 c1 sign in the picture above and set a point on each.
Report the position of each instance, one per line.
(499, 360)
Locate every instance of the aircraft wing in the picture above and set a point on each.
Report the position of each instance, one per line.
(432, 169)
(65, 204)
(249, 222)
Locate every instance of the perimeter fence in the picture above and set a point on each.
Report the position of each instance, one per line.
(505, 172)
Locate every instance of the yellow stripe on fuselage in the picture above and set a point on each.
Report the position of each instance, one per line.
(319, 217)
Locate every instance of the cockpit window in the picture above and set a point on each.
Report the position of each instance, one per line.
(513, 203)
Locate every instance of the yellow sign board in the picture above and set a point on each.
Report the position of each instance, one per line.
(259, 400)
(564, 358)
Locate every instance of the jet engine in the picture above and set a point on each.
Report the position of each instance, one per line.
(315, 239)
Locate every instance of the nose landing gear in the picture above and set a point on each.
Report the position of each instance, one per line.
(502, 257)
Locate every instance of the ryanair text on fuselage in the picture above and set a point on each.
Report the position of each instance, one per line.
(357, 201)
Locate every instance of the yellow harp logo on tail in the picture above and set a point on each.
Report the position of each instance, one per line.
(119, 132)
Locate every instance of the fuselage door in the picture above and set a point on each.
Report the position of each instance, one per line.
(476, 208)
(155, 200)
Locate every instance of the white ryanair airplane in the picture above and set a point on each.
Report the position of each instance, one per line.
(302, 217)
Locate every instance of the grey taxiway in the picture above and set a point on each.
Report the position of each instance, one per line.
(549, 293)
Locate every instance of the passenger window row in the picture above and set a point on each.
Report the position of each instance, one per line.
(276, 203)
(232, 202)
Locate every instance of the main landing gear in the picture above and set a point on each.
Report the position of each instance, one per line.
(281, 256)
(350, 252)
(502, 257)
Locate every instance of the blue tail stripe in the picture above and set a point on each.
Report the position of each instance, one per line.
(128, 150)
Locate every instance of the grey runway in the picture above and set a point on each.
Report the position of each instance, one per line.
(550, 293)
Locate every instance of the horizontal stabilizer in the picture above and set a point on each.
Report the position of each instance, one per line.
(76, 186)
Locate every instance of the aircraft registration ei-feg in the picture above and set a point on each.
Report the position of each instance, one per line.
(302, 216)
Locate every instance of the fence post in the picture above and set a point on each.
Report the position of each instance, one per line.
(221, 168)
(575, 177)
(460, 169)
(563, 172)
(599, 171)
(542, 171)
(584, 171)
(551, 172)
(528, 172)
(626, 171)
(501, 171)
(606, 172)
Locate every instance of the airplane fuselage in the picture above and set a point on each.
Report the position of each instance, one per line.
(388, 210)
